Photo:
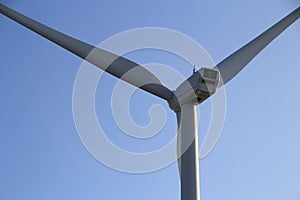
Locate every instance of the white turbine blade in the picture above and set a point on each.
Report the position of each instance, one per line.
(234, 63)
(179, 135)
(118, 66)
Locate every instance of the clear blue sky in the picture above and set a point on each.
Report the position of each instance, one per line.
(41, 155)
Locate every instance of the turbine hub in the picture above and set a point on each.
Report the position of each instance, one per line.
(197, 88)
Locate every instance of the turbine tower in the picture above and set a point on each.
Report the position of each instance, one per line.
(184, 100)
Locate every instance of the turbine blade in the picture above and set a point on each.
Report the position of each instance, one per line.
(179, 135)
(118, 66)
(234, 63)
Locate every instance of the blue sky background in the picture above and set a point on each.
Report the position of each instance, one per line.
(41, 155)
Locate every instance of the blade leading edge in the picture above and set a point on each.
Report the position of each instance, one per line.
(179, 135)
(234, 63)
(118, 66)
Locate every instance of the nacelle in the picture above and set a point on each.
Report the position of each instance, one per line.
(198, 87)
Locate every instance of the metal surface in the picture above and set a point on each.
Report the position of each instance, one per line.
(189, 162)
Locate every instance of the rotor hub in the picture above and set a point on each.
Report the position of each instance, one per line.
(197, 88)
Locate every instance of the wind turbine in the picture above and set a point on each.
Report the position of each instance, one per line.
(184, 100)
